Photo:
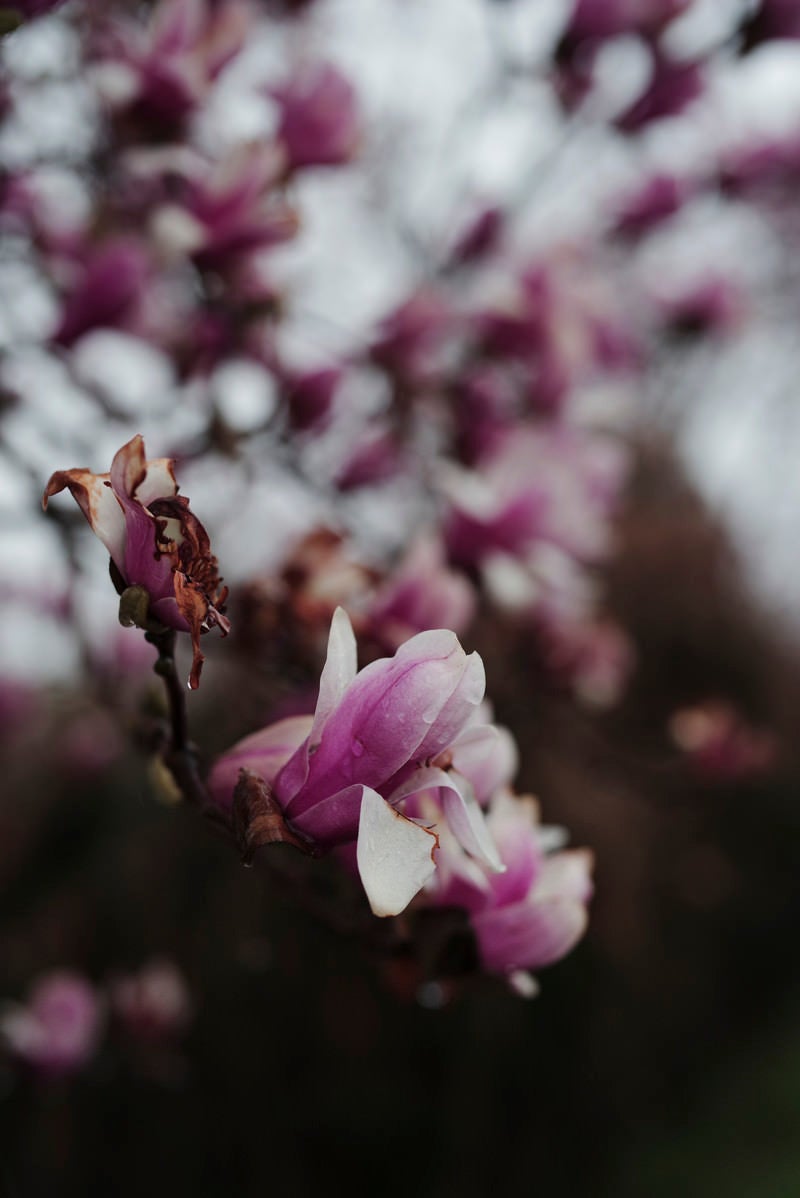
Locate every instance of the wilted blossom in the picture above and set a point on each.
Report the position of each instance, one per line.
(533, 913)
(154, 540)
(318, 118)
(57, 1030)
(422, 593)
(379, 737)
(153, 1004)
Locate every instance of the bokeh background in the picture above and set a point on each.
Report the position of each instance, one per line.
(498, 218)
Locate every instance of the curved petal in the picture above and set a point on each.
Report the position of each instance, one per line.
(95, 498)
(394, 855)
(487, 755)
(340, 669)
(263, 752)
(461, 809)
(159, 481)
(529, 934)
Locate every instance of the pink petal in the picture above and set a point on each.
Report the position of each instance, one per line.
(528, 935)
(263, 752)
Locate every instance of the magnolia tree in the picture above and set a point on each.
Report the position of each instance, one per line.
(398, 336)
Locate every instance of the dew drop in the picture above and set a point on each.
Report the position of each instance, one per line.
(357, 747)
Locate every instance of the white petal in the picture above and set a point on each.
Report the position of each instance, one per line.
(339, 671)
(461, 809)
(395, 855)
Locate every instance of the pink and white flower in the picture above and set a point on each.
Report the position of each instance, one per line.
(378, 737)
(534, 912)
(57, 1030)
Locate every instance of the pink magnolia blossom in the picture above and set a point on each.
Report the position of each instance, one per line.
(717, 306)
(154, 540)
(109, 290)
(672, 87)
(551, 485)
(720, 743)
(229, 212)
(161, 73)
(421, 593)
(57, 1030)
(377, 739)
(600, 19)
(533, 913)
(153, 1004)
(410, 339)
(772, 20)
(310, 397)
(659, 198)
(318, 122)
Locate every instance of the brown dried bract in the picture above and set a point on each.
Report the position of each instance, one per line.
(258, 820)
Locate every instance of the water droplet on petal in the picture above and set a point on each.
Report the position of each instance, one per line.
(357, 747)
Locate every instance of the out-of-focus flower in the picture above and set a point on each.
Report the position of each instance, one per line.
(161, 73)
(310, 396)
(600, 19)
(672, 87)
(28, 9)
(228, 212)
(479, 238)
(375, 457)
(153, 1004)
(108, 292)
(660, 197)
(154, 540)
(318, 123)
(714, 306)
(57, 1030)
(377, 738)
(720, 743)
(421, 593)
(772, 20)
(410, 339)
(594, 657)
(549, 484)
(532, 914)
(773, 164)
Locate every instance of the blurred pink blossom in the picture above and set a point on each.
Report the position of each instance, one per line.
(58, 1029)
(421, 593)
(153, 1004)
(318, 118)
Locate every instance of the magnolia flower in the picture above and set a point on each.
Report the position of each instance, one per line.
(533, 913)
(58, 1029)
(153, 1004)
(318, 118)
(421, 593)
(342, 776)
(154, 540)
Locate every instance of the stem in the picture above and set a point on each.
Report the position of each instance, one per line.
(180, 756)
